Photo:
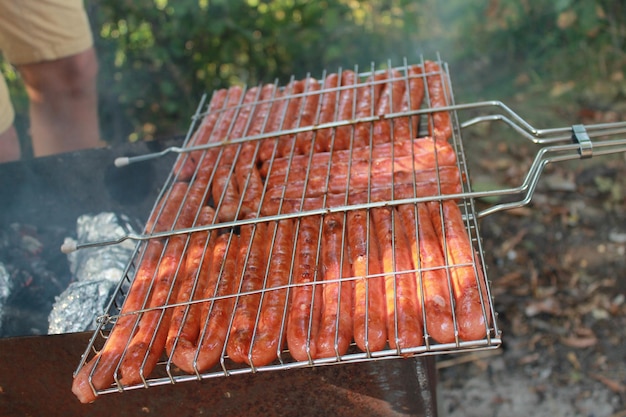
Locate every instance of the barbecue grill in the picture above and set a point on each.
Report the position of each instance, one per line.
(247, 131)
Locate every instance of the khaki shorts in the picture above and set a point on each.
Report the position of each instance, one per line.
(33, 31)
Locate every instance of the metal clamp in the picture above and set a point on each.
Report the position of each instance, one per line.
(580, 136)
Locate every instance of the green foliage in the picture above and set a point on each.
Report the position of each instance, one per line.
(545, 41)
(158, 56)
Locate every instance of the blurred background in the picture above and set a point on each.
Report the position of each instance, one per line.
(157, 57)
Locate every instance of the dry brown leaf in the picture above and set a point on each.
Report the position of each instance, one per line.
(613, 385)
(510, 279)
(534, 357)
(548, 305)
(573, 359)
(579, 342)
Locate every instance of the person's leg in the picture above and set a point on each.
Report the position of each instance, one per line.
(9, 145)
(63, 103)
(9, 142)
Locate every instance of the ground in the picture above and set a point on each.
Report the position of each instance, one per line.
(557, 269)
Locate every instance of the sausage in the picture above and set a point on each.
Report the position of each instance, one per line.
(252, 258)
(253, 187)
(247, 175)
(305, 298)
(146, 346)
(368, 95)
(345, 110)
(269, 146)
(226, 195)
(285, 143)
(291, 196)
(370, 331)
(100, 370)
(428, 257)
(404, 315)
(182, 337)
(208, 159)
(359, 168)
(422, 150)
(308, 116)
(186, 164)
(390, 101)
(225, 191)
(468, 281)
(408, 127)
(262, 119)
(335, 332)
(327, 112)
(242, 121)
(165, 212)
(269, 338)
(223, 281)
(259, 120)
(104, 364)
(439, 123)
(447, 178)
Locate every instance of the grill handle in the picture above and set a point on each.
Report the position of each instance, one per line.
(561, 144)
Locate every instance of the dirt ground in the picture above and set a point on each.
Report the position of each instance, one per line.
(557, 267)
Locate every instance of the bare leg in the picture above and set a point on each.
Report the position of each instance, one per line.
(9, 145)
(63, 103)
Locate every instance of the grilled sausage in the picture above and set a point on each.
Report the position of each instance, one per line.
(335, 332)
(404, 316)
(269, 147)
(225, 189)
(284, 143)
(146, 346)
(247, 176)
(345, 110)
(422, 150)
(99, 372)
(370, 331)
(468, 281)
(327, 112)
(304, 140)
(448, 181)
(368, 95)
(408, 127)
(269, 338)
(253, 259)
(223, 281)
(390, 101)
(185, 166)
(305, 299)
(182, 337)
(440, 127)
(432, 280)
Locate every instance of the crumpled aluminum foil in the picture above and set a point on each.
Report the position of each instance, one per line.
(97, 272)
(5, 290)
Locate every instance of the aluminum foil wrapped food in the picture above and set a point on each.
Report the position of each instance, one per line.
(96, 273)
